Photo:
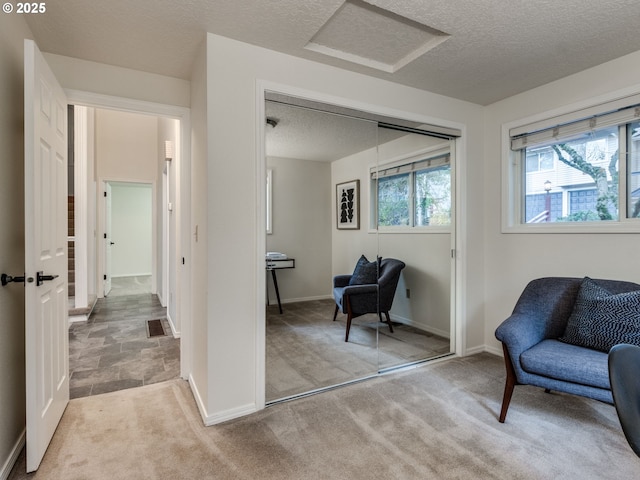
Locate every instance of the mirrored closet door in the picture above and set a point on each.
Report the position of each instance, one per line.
(324, 183)
(414, 190)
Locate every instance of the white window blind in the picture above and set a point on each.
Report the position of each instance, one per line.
(537, 134)
(401, 167)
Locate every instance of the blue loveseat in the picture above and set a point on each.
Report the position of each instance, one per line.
(533, 353)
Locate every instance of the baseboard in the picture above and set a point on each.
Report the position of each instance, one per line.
(494, 350)
(129, 275)
(175, 332)
(196, 396)
(420, 326)
(220, 417)
(303, 299)
(13, 458)
(230, 414)
(83, 317)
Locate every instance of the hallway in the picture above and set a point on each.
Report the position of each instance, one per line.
(113, 351)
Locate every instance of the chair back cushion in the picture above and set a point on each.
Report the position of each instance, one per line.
(390, 270)
(549, 301)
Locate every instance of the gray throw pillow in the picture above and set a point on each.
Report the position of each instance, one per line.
(601, 320)
(365, 273)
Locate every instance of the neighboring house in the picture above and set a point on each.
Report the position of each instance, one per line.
(495, 261)
(571, 191)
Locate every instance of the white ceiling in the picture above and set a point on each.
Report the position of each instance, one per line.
(486, 50)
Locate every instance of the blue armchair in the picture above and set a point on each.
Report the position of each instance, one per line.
(532, 352)
(356, 300)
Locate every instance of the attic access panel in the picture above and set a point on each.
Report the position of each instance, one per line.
(368, 35)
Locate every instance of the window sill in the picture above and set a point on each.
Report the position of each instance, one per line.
(413, 230)
(629, 226)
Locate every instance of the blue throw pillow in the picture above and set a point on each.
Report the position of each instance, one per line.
(601, 320)
(365, 273)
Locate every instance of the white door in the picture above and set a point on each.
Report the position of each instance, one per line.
(108, 243)
(46, 308)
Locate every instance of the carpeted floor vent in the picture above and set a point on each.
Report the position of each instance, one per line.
(155, 328)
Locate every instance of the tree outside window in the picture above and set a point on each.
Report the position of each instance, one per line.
(415, 199)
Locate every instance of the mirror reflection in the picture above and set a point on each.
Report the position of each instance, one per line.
(352, 289)
(414, 223)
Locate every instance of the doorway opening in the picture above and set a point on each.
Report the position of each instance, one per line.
(129, 239)
(128, 183)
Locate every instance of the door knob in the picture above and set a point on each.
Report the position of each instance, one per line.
(40, 278)
(7, 279)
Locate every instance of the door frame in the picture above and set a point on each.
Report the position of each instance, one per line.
(183, 299)
(104, 223)
(458, 247)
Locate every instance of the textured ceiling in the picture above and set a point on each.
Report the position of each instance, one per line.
(496, 48)
(309, 134)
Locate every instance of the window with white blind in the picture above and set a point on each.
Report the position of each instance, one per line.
(580, 169)
(412, 194)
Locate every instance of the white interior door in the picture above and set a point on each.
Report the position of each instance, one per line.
(46, 308)
(108, 243)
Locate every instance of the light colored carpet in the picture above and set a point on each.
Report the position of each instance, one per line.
(434, 422)
(305, 348)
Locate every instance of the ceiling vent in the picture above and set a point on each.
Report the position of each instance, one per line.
(368, 35)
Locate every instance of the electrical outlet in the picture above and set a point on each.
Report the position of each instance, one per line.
(408, 293)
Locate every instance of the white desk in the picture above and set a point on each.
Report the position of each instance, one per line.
(273, 264)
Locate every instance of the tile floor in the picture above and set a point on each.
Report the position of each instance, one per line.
(124, 286)
(111, 350)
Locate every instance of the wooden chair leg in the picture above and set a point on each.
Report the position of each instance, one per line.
(388, 322)
(335, 314)
(346, 337)
(349, 316)
(510, 383)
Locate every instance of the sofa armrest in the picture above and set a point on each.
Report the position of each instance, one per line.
(360, 289)
(520, 332)
(341, 280)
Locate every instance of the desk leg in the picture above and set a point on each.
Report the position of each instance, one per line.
(275, 284)
(266, 289)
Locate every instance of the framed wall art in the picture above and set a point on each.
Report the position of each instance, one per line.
(348, 205)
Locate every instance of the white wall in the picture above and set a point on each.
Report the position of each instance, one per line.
(131, 212)
(168, 130)
(13, 31)
(512, 260)
(199, 378)
(301, 227)
(234, 239)
(76, 74)
(126, 146)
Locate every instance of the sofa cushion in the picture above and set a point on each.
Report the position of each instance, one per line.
(365, 273)
(601, 320)
(570, 363)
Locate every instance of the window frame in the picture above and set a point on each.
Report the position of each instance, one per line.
(403, 161)
(514, 171)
